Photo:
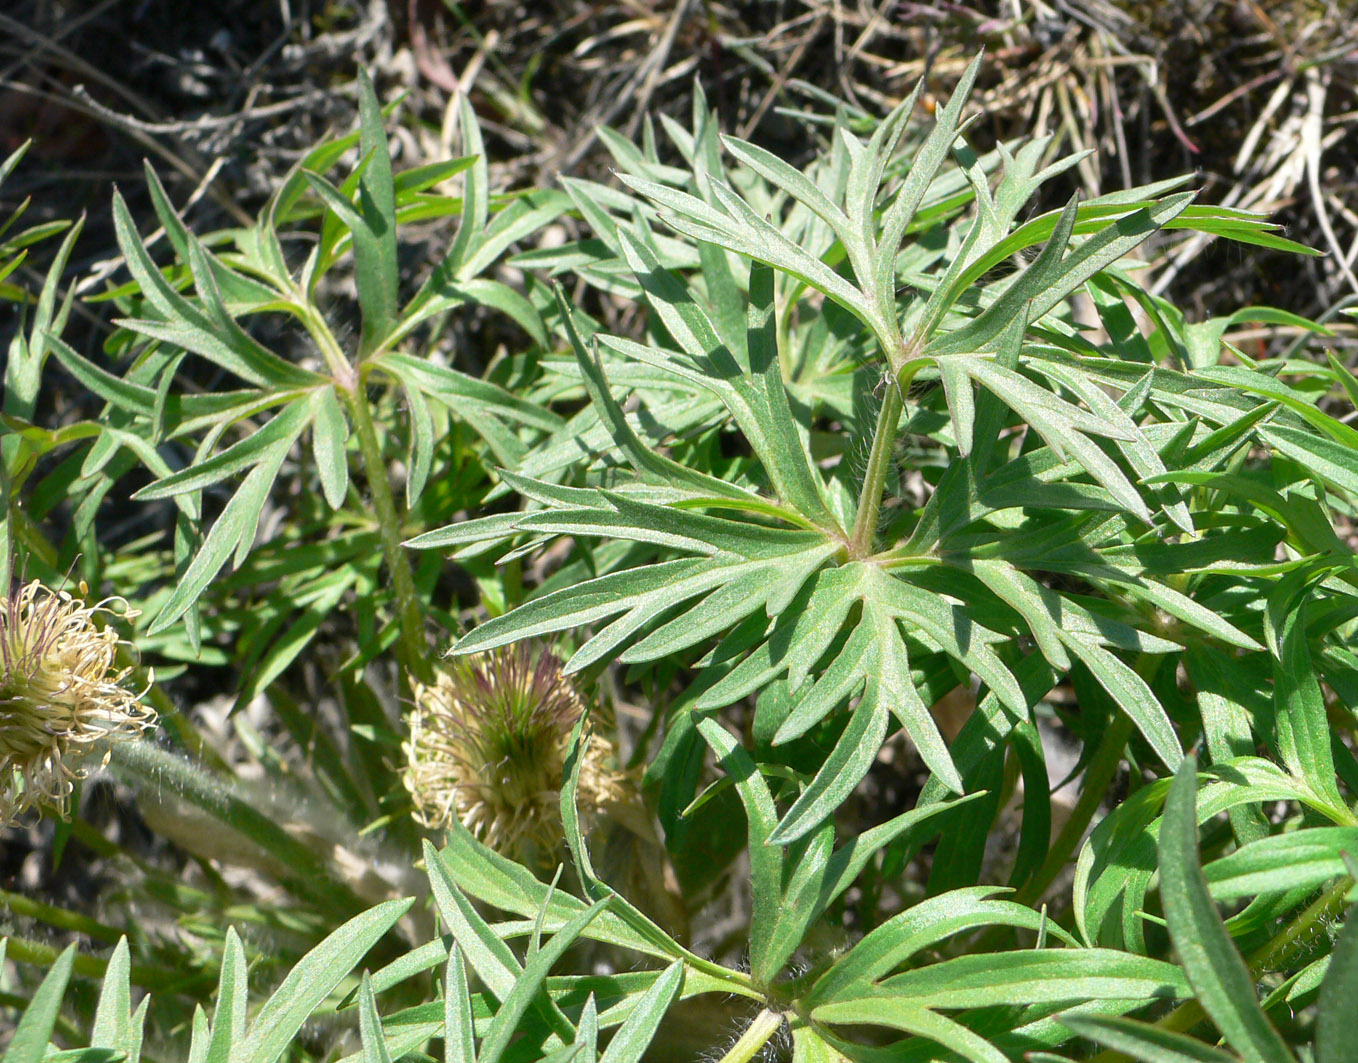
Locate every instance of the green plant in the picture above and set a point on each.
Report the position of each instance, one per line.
(203, 395)
(861, 455)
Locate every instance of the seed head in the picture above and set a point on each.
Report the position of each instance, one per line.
(488, 744)
(61, 694)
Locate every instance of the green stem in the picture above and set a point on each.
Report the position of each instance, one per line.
(158, 980)
(755, 1037)
(185, 732)
(157, 771)
(862, 538)
(1098, 775)
(335, 359)
(61, 918)
(414, 650)
(1093, 788)
(350, 386)
(1304, 929)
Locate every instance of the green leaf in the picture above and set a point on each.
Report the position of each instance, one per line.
(120, 393)
(758, 402)
(528, 212)
(791, 180)
(641, 457)
(819, 876)
(234, 531)
(842, 771)
(490, 957)
(923, 171)
(1016, 300)
(22, 374)
(738, 229)
(784, 455)
(1332, 461)
(636, 1033)
(1214, 968)
(115, 1027)
(1297, 860)
(587, 1031)
(1056, 625)
(474, 291)
(475, 196)
(529, 984)
(910, 1017)
(459, 1045)
(228, 1020)
(1223, 696)
(636, 920)
(258, 448)
(311, 981)
(895, 941)
(235, 288)
(496, 880)
(1114, 870)
(1135, 697)
(329, 437)
(1143, 1041)
(645, 593)
(187, 326)
(1063, 427)
(1299, 709)
(370, 1026)
(1039, 976)
(766, 859)
(28, 1043)
(456, 390)
(809, 1045)
(375, 266)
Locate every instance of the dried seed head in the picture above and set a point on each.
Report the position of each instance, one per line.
(61, 694)
(488, 744)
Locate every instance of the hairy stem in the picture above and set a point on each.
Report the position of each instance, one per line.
(1301, 931)
(335, 359)
(156, 772)
(755, 1037)
(61, 918)
(413, 649)
(861, 539)
(40, 954)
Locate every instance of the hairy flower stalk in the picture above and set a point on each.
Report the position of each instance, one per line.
(488, 744)
(62, 695)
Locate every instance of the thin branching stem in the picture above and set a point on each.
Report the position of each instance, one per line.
(1299, 933)
(335, 359)
(156, 770)
(1097, 777)
(411, 620)
(864, 532)
(40, 954)
(61, 918)
(755, 1037)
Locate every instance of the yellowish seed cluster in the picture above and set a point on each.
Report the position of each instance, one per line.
(488, 744)
(62, 695)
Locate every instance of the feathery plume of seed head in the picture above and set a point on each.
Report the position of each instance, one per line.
(488, 744)
(62, 694)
